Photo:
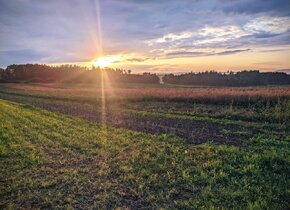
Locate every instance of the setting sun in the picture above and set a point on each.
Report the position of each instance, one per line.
(105, 61)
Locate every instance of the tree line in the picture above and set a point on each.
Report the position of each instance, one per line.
(79, 74)
(242, 78)
(70, 74)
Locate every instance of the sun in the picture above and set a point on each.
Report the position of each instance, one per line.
(105, 61)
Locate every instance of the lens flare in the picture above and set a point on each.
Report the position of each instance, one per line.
(105, 61)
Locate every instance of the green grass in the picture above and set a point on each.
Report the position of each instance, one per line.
(49, 160)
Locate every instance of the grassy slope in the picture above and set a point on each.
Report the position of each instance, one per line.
(51, 160)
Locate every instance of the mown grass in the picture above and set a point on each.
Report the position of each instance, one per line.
(49, 160)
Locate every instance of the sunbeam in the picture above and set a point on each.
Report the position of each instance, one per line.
(99, 49)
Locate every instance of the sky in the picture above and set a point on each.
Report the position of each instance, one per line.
(159, 36)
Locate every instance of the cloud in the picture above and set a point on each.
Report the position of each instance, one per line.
(230, 52)
(171, 37)
(219, 34)
(205, 53)
(160, 26)
(137, 59)
(273, 7)
(273, 50)
(228, 30)
(271, 25)
(186, 53)
(207, 35)
(258, 32)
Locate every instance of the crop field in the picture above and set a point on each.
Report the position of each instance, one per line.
(144, 147)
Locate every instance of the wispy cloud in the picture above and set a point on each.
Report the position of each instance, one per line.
(198, 54)
(230, 52)
(271, 25)
(171, 37)
(137, 59)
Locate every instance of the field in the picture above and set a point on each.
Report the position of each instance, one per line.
(144, 147)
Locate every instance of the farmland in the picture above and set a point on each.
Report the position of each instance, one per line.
(144, 146)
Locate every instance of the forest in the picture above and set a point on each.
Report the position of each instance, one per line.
(70, 74)
(242, 78)
(79, 74)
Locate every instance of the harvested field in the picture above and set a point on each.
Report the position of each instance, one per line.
(198, 94)
(142, 151)
(122, 115)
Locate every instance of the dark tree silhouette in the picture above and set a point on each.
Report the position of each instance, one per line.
(243, 78)
(70, 73)
(78, 74)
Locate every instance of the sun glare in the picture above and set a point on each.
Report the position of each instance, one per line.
(105, 61)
